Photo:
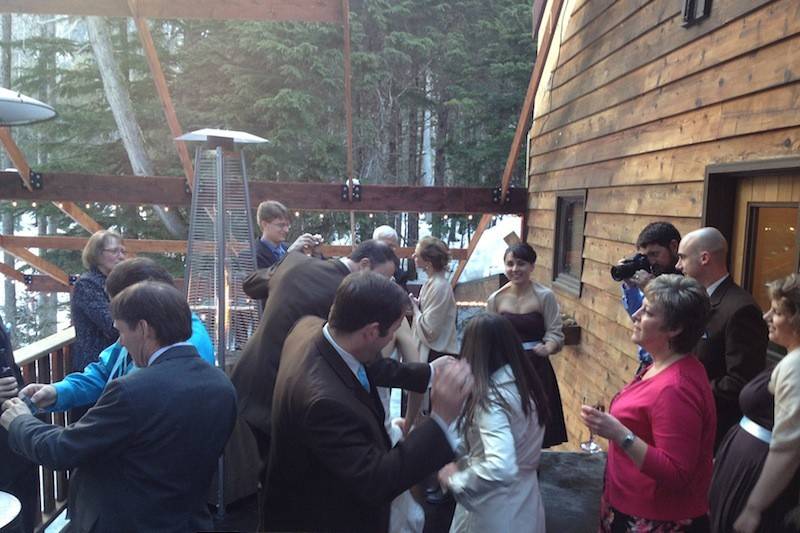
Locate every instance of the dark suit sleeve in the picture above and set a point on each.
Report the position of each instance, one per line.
(386, 372)
(104, 429)
(745, 352)
(256, 285)
(344, 448)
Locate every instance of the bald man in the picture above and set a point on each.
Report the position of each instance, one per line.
(734, 348)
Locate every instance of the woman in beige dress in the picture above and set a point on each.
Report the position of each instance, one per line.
(434, 323)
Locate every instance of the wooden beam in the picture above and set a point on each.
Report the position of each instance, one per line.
(46, 284)
(473, 242)
(79, 215)
(160, 81)
(278, 10)
(9, 272)
(144, 190)
(40, 264)
(50, 242)
(16, 156)
(526, 113)
(522, 124)
(59, 242)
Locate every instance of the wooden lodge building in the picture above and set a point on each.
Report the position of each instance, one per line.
(680, 110)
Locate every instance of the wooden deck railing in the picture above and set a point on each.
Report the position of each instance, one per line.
(48, 361)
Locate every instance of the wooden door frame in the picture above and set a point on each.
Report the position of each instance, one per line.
(719, 189)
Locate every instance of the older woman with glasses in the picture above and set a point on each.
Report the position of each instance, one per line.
(91, 316)
(661, 426)
(756, 481)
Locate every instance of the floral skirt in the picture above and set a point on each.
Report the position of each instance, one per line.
(615, 521)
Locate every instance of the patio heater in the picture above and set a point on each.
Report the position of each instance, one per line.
(221, 250)
(16, 109)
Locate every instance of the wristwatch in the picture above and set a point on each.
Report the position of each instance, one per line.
(627, 441)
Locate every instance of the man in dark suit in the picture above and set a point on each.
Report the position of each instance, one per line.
(331, 466)
(734, 348)
(299, 286)
(17, 474)
(145, 453)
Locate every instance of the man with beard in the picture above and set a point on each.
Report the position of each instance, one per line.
(658, 242)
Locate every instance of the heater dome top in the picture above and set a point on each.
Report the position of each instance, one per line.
(239, 137)
(16, 109)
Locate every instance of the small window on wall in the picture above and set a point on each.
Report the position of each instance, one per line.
(695, 11)
(568, 257)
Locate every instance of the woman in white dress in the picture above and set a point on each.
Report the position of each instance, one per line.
(495, 481)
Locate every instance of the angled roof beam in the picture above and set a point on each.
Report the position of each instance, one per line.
(278, 10)
(160, 81)
(40, 264)
(17, 157)
(522, 124)
(526, 114)
(24, 170)
(9, 272)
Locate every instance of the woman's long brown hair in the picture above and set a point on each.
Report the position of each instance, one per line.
(490, 342)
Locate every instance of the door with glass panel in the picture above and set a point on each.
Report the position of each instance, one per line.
(765, 233)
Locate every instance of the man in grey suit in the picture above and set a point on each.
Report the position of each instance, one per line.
(145, 453)
(734, 348)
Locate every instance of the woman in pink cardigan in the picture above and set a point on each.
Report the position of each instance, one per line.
(661, 426)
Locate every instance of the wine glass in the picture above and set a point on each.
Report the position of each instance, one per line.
(590, 446)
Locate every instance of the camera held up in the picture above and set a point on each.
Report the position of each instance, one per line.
(630, 266)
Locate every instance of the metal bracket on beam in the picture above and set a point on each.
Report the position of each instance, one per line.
(36, 180)
(497, 192)
(28, 279)
(72, 279)
(356, 192)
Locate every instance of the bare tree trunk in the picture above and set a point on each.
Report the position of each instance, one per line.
(121, 106)
(440, 164)
(10, 289)
(46, 310)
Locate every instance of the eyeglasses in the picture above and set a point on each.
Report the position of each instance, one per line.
(119, 250)
(281, 225)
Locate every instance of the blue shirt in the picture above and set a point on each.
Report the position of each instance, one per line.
(84, 388)
(632, 298)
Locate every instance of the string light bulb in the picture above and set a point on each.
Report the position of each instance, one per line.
(166, 209)
(297, 214)
(321, 216)
(33, 204)
(371, 215)
(14, 203)
(445, 217)
(469, 217)
(86, 205)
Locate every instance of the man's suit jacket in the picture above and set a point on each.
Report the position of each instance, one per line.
(733, 350)
(146, 453)
(332, 467)
(299, 286)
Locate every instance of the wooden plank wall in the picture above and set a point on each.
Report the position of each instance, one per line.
(632, 108)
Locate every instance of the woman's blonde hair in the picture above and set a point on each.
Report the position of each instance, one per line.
(94, 247)
(435, 251)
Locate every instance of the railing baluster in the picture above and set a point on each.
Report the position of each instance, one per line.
(47, 361)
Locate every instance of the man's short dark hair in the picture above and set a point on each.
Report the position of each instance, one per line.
(377, 252)
(661, 233)
(365, 297)
(160, 305)
(126, 273)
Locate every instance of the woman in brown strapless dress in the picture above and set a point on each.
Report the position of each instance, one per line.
(535, 315)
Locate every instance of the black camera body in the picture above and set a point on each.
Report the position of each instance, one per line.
(630, 266)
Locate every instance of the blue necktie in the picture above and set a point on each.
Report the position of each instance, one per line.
(362, 377)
